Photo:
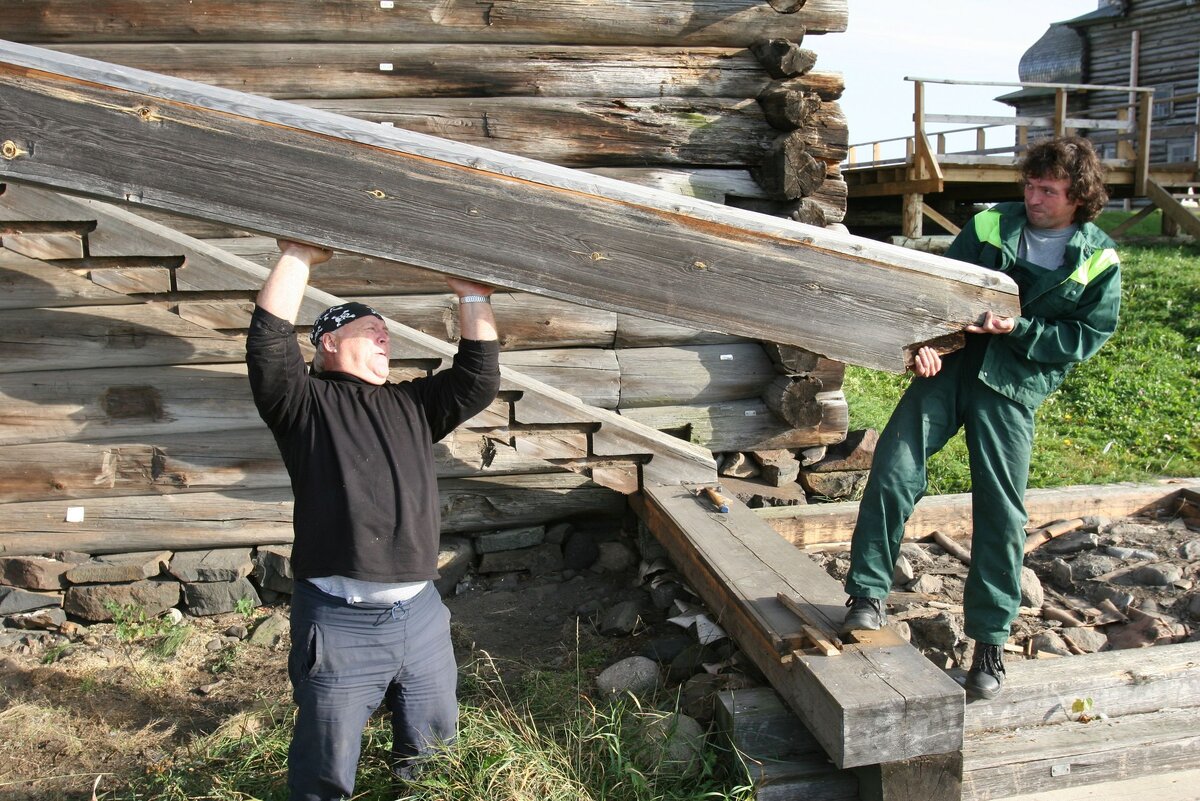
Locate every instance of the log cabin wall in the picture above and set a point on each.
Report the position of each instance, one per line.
(126, 407)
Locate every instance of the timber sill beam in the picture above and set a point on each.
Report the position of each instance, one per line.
(111, 132)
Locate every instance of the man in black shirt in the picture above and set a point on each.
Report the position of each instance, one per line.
(367, 625)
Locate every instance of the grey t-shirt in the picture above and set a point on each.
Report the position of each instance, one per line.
(1045, 246)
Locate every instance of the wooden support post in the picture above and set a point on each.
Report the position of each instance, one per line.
(981, 140)
(911, 213)
(88, 127)
(1060, 111)
(1141, 173)
(936, 777)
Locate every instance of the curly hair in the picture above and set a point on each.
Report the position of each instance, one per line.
(1073, 158)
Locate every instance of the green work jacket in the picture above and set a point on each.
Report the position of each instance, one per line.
(1066, 314)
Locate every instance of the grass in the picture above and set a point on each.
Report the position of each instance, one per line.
(534, 735)
(1128, 414)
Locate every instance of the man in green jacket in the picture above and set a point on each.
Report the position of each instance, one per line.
(1070, 288)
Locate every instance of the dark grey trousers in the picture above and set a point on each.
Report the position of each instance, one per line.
(346, 660)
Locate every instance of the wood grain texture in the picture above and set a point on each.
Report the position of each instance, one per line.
(641, 22)
(237, 158)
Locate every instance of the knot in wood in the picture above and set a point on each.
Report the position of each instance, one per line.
(145, 113)
(699, 265)
(378, 194)
(11, 150)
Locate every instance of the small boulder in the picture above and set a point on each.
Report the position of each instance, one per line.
(1049, 642)
(1160, 575)
(671, 745)
(1032, 593)
(621, 619)
(634, 675)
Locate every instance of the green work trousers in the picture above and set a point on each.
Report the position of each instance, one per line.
(999, 434)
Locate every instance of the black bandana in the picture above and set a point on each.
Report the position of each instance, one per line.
(335, 317)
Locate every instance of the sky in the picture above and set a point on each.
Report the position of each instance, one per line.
(888, 40)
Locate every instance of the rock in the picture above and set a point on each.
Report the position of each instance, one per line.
(153, 596)
(1194, 607)
(557, 533)
(902, 572)
(119, 568)
(759, 494)
(1128, 554)
(14, 601)
(837, 485)
(580, 551)
(698, 695)
(810, 456)
(71, 557)
(273, 568)
(1160, 575)
(635, 675)
(270, 632)
(1190, 550)
(1085, 639)
(738, 465)
(1074, 542)
(1125, 529)
(615, 557)
(455, 557)
(942, 631)
(690, 661)
(621, 619)
(664, 649)
(1144, 630)
(589, 608)
(1095, 523)
(903, 629)
(779, 467)
(225, 564)
(217, 597)
(664, 593)
(49, 619)
(916, 553)
(1031, 589)
(33, 572)
(1060, 571)
(929, 584)
(510, 539)
(853, 454)
(670, 745)
(237, 632)
(1118, 598)
(535, 561)
(173, 616)
(1048, 642)
(1091, 564)
(214, 645)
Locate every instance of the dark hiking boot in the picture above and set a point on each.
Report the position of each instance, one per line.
(866, 614)
(986, 676)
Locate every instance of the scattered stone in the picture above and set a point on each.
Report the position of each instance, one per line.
(237, 632)
(72, 630)
(270, 632)
(214, 645)
(1076, 541)
(1032, 593)
(14, 601)
(615, 557)
(635, 675)
(902, 628)
(928, 584)
(210, 688)
(671, 745)
(273, 567)
(810, 456)
(1085, 638)
(779, 467)
(71, 557)
(119, 568)
(759, 494)
(836, 485)
(49, 619)
(218, 597)
(535, 561)
(1091, 564)
(456, 555)
(1127, 529)
(698, 696)
(621, 619)
(1118, 598)
(664, 593)
(1060, 572)
(33, 572)
(225, 564)
(590, 608)
(1095, 523)
(738, 465)
(690, 661)
(153, 596)
(665, 649)
(1144, 630)
(916, 553)
(941, 631)
(1128, 554)
(173, 616)
(1160, 575)
(903, 572)
(510, 539)
(557, 533)
(1194, 607)
(1049, 642)
(1190, 550)
(580, 551)
(853, 454)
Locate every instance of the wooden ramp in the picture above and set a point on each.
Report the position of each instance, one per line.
(91, 128)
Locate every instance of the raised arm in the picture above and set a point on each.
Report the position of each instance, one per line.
(475, 320)
(283, 291)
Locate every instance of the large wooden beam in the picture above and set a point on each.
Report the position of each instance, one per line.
(663, 22)
(93, 128)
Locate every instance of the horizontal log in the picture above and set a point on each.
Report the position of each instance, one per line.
(197, 520)
(726, 23)
(746, 425)
(951, 514)
(366, 70)
(590, 374)
(520, 224)
(694, 374)
(640, 332)
(30, 283)
(201, 462)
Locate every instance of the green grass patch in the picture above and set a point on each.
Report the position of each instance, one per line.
(1131, 413)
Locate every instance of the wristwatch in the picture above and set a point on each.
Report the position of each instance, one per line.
(475, 299)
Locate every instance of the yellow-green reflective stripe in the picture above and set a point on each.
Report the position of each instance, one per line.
(987, 227)
(1097, 263)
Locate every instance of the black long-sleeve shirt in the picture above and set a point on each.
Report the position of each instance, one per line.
(360, 456)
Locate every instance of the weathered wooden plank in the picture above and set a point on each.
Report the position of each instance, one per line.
(590, 374)
(951, 514)
(202, 462)
(693, 374)
(195, 520)
(1049, 758)
(1176, 785)
(663, 22)
(746, 425)
(738, 565)
(27, 283)
(1042, 691)
(526, 225)
(362, 70)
